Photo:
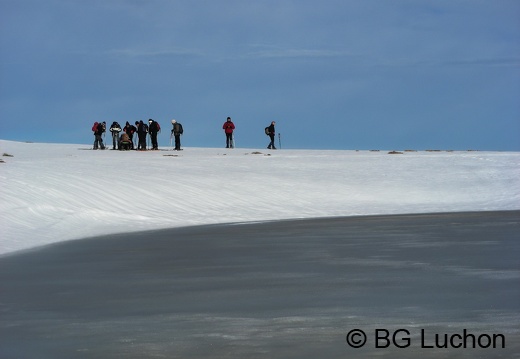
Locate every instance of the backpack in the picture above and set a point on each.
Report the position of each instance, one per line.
(94, 127)
(177, 128)
(158, 126)
(267, 131)
(142, 128)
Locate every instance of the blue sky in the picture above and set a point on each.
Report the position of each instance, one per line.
(364, 74)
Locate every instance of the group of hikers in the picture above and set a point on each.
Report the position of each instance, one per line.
(123, 138)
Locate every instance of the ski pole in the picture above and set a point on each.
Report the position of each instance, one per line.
(280, 141)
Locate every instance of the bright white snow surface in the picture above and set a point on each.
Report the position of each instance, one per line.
(57, 192)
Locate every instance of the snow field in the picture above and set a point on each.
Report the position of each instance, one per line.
(57, 192)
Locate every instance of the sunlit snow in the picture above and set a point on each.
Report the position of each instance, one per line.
(57, 192)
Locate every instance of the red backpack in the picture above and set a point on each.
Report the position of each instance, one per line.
(94, 128)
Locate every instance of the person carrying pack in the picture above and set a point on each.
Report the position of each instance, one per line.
(142, 130)
(271, 132)
(98, 129)
(177, 131)
(154, 129)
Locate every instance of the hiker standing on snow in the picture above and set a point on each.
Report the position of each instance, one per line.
(115, 129)
(228, 130)
(130, 130)
(99, 129)
(271, 133)
(177, 131)
(142, 130)
(137, 131)
(154, 128)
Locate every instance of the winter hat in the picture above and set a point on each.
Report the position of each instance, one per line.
(173, 121)
(150, 120)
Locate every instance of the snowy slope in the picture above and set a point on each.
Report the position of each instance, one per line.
(56, 192)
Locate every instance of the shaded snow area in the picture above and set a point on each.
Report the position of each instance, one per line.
(57, 192)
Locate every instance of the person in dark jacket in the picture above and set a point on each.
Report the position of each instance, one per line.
(229, 127)
(177, 131)
(115, 129)
(271, 135)
(142, 130)
(154, 129)
(99, 129)
(130, 130)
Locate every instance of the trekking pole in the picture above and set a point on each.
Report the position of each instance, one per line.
(280, 140)
(171, 137)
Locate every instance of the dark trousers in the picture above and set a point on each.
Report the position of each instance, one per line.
(229, 140)
(271, 144)
(177, 142)
(98, 142)
(155, 145)
(142, 141)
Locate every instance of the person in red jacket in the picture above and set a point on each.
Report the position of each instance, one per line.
(99, 129)
(228, 130)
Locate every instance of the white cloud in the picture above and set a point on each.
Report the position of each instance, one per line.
(282, 52)
(142, 52)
